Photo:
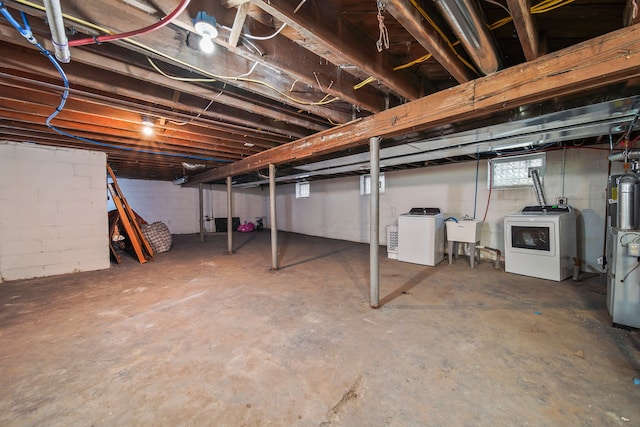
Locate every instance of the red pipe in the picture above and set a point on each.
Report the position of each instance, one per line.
(107, 38)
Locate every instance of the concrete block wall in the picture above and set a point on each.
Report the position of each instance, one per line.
(177, 206)
(336, 209)
(171, 204)
(52, 211)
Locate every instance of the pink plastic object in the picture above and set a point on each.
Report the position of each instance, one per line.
(247, 227)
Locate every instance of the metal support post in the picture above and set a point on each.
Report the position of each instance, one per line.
(229, 218)
(201, 198)
(374, 222)
(272, 219)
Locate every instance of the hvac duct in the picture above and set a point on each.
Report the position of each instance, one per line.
(620, 156)
(537, 186)
(626, 201)
(58, 35)
(472, 32)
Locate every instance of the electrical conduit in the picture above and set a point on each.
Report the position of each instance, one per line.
(111, 37)
(58, 34)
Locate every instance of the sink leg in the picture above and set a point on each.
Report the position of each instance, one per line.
(472, 254)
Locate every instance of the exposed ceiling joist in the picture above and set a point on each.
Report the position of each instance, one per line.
(238, 23)
(229, 66)
(587, 65)
(344, 44)
(428, 37)
(526, 27)
(631, 14)
(314, 74)
(92, 78)
(320, 70)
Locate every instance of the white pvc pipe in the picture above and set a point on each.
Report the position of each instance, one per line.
(58, 34)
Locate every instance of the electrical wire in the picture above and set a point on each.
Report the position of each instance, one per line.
(26, 33)
(181, 62)
(364, 82)
(252, 37)
(542, 7)
(415, 61)
(323, 101)
(254, 46)
(193, 118)
(636, 236)
(255, 64)
(629, 272)
(110, 37)
(127, 105)
(499, 4)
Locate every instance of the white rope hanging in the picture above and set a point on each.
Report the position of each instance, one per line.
(383, 40)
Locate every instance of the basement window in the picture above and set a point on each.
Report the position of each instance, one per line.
(513, 172)
(365, 184)
(303, 190)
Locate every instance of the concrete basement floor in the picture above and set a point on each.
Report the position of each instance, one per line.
(201, 338)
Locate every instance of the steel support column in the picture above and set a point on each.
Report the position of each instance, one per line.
(201, 199)
(229, 218)
(272, 219)
(374, 223)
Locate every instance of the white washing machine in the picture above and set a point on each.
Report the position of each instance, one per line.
(421, 236)
(540, 241)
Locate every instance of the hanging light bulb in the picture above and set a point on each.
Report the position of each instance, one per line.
(147, 126)
(205, 26)
(206, 45)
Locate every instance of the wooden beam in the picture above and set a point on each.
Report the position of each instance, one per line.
(631, 13)
(238, 23)
(125, 140)
(304, 66)
(344, 46)
(525, 27)
(95, 111)
(22, 59)
(605, 60)
(409, 17)
(170, 44)
(301, 65)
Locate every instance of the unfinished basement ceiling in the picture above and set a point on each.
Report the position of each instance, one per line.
(283, 72)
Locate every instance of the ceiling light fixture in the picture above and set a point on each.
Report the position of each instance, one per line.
(205, 26)
(147, 126)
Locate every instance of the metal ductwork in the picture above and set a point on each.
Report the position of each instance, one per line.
(621, 156)
(473, 34)
(58, 34)
(537, 186)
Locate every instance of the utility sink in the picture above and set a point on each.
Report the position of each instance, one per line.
(467, 231)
